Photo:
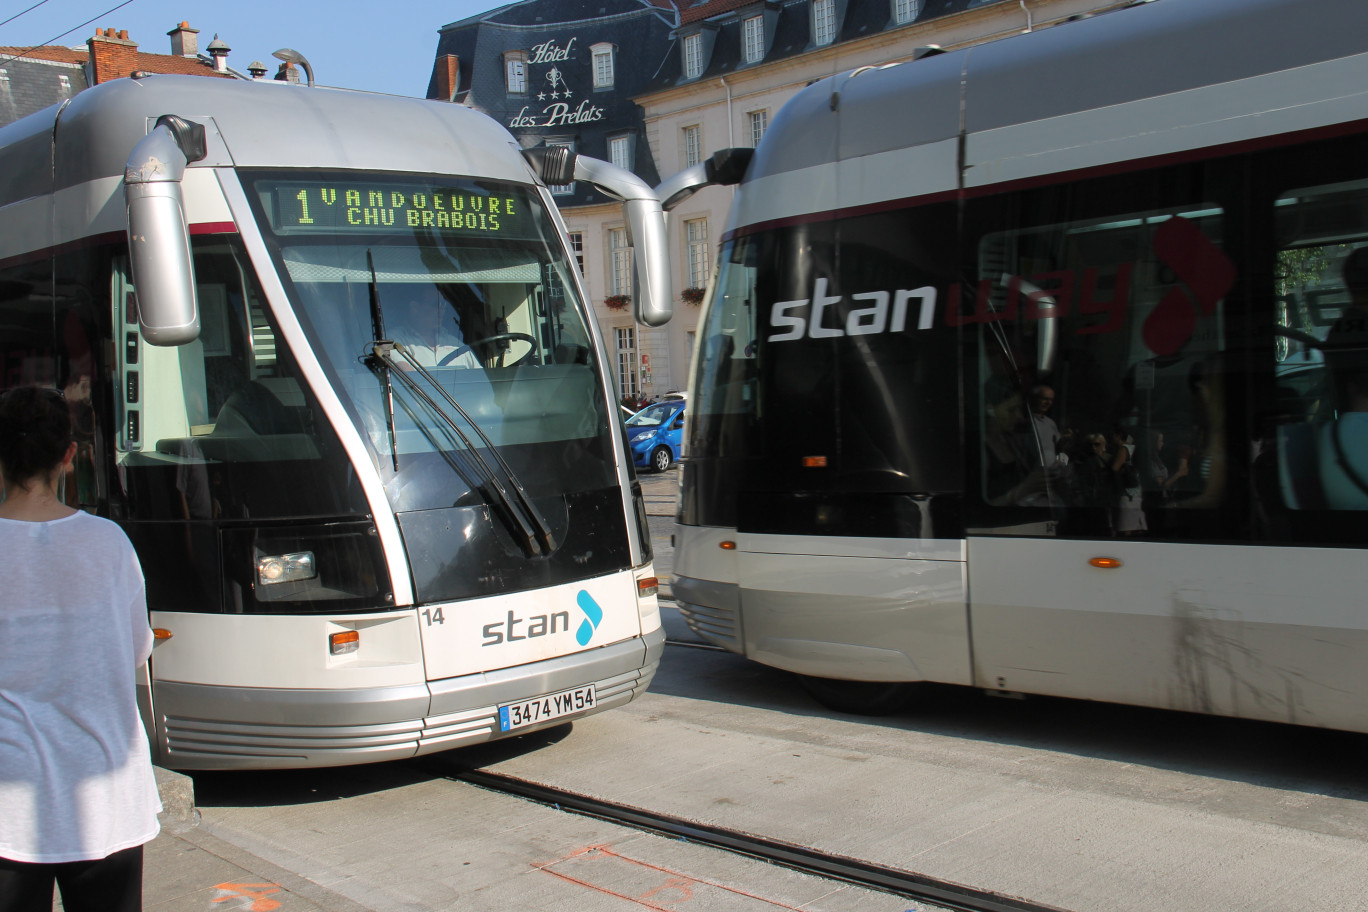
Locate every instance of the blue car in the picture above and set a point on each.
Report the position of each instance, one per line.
(656, 434)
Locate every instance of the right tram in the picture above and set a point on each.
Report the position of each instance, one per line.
(1041, 367)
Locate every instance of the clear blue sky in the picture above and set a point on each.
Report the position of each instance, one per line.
(387, 46)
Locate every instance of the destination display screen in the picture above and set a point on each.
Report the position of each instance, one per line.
(445, 207)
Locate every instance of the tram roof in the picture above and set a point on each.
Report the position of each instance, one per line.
(1146, 51)
(253, 124)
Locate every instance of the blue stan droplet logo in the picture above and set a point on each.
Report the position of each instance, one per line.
(593, 615)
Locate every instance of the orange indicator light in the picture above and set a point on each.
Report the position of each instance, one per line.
(161, 633)
(1105, 563)
(648, 586)
(727, 545)
(814, 462)
(344, 642)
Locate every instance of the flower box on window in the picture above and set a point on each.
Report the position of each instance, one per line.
(617, 302)
(692, 295)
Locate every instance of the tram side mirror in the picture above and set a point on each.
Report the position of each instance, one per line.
(651, 256)
(158, 234)
(645, 222)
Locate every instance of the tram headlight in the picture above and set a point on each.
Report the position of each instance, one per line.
(286, 568)
(313, 567)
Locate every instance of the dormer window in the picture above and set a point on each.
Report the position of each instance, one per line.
(753, 38)
(904, 11)
(823, 22)
(515, 72)
(603, 66)
(693, 56)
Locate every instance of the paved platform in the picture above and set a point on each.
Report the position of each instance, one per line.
(188, 868)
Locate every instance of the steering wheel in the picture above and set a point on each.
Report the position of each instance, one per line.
(497, 337)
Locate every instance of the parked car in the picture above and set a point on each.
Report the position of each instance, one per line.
(656, 434)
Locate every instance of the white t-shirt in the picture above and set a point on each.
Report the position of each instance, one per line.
(76, 780)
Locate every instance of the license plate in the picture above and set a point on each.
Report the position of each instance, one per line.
(551, 706)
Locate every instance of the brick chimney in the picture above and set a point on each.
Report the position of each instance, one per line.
(112, 55)
(183, 41)
(447, 73)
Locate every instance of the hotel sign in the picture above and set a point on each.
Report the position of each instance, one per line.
(559, 113)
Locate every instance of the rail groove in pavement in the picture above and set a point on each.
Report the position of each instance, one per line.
(865, 874)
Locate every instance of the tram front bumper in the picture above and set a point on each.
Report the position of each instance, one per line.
(202, 726)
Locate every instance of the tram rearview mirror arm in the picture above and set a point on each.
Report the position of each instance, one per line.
(723, 168)
(158, 234)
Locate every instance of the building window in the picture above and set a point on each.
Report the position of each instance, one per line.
(693, 146)
(4, 76)
(577, 248)
(696, 235)
(627, 360)
(562, 189)
(905, 10)
(620, 151)
(693, 56)
(515, 73)
(759, 120)
(823, 21)
(753, 38)
(603, 66)
(622, 261)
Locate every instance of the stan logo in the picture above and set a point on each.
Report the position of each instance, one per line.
(513, 628)
(1205, 274)
(593, 616)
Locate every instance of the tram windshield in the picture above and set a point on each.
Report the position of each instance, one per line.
(467, 277)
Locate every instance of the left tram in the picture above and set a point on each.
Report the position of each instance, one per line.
(334, 374)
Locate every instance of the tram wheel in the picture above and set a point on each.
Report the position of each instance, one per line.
(661, 459)
(861, 698)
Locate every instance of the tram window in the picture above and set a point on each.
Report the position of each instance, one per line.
(226, 396)
(26, 350)
(726, 366)
(1321, 347)
(1094, 337)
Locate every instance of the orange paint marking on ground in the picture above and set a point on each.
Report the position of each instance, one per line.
(258, 893)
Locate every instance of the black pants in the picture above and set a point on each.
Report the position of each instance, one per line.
(112, 884)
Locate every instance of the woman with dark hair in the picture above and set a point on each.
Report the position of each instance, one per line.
(78, 799)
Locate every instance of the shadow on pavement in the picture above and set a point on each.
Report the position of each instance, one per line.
(1288, 757)
(259, 788)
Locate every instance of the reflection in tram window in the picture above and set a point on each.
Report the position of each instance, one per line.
(1321, 347)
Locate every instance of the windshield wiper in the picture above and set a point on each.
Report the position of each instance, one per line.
(378, 328)
(535, 530)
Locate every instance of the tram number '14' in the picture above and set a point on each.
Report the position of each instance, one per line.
(433, 616)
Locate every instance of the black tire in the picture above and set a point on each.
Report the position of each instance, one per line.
(860, 698)
(661, 458)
